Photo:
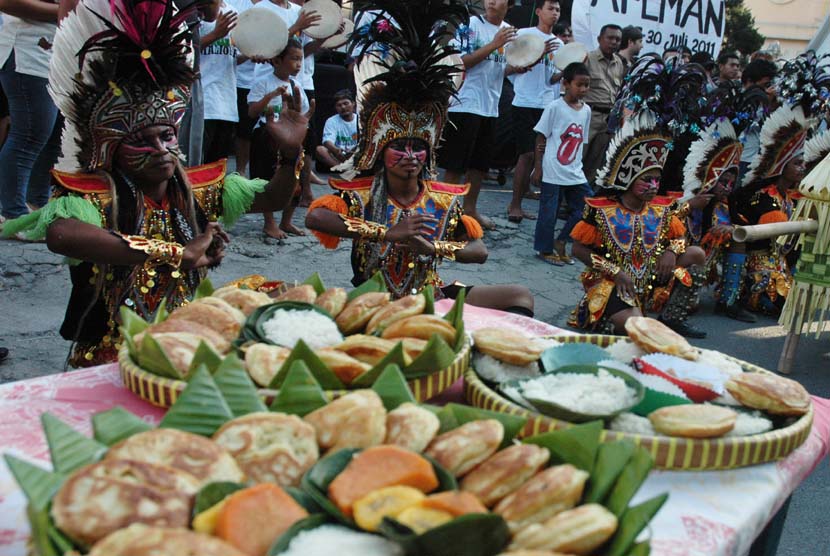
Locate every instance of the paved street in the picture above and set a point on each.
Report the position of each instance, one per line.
(34, 288)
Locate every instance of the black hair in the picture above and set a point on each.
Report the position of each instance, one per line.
(757, 70)
(343, 94)
(683, 49)
(671, 48)
(539, 4)
(726, 56)
(630, 34)
(703, 58)
(573, 70)
(560, 28)
(293, 42)
(611, 26)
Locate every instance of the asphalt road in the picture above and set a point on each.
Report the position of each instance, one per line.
(34, 288)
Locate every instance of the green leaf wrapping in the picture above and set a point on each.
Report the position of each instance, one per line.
(205, 289)
(61, 542)
(429, 296)
(632, 522)
(237, 387)
(321, 373)
(161, 313)
(629, 482)
(38, 484)
(114, 425)
(151, 357)
(315, 281)
(640, 549)
(213, 493)
(468, 535)
(304, 499)
(576, 445)
(394, 357)
(612, 457)
(39, 521)
(445, 416)
(455, 316)
(200, 409)
(300, 393)
(131, 324)
(437, 355)
(311, 522)
(69, 449)
(512, 423)
(204, 355)
(373, 284)
(392, 388)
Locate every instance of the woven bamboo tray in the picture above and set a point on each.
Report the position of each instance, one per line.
(668, 452)
(163, 392)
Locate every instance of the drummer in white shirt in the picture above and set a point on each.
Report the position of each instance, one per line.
(534, 90)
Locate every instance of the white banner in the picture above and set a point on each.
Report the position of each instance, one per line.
(697, 24)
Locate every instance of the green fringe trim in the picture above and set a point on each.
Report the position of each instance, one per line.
(238, 196)
(34, 225)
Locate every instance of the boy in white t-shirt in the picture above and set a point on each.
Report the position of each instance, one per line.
(266, 97)
(533, 91)
(563, 130)
(340, 133)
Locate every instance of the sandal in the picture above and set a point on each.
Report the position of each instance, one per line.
(562, 252)
(533, 195)
(550, 258)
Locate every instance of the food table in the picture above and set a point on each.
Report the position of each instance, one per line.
(708, 513)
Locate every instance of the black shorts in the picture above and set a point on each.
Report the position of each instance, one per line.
(467, 142)
(263, 157)
(525, 119)
(218, 140)
(246, 124)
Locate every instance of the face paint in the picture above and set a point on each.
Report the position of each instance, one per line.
(646, 186)
(393, 157)
(138, 156)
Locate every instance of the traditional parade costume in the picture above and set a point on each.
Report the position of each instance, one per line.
(632, 242)
(118, 68)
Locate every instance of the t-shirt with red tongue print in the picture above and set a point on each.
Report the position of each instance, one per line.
(566, 131)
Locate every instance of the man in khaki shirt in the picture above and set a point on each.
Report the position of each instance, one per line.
(607, 70)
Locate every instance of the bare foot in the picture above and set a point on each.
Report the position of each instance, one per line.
(485, 222)
(274, 232)
(305, 202)
(317, 179)
(291, 229)
(515, 214)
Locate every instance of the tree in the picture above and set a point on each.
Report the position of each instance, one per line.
(740, 33)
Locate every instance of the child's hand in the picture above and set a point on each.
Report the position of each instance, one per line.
(551, 46)
(225, 23)
(306, 20)
(279, 91)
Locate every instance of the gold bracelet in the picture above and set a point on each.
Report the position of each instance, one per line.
(677, 246)
(683, 211)
(604, 266)
(447, 249)
(158, 252)
(364, 228)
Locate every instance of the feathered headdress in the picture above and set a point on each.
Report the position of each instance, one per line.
(408, 45)
(816, 149)
(118, 66)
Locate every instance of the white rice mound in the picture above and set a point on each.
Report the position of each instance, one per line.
(591, 394)
(624, 351)
(336, 539)
(632, 424)
(514, 394)
(719, 361)
(490, 368)
(287, 327)
(748, 424)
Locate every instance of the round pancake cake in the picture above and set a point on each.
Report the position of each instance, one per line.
(194, 454)
(771, 393)
(106, 496)
(140, 540)
(693, 420)
(270, 447)
(655, 337)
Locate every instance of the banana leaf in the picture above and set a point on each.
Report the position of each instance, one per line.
(437, 355)
(373, 284)
(567, 355)
(153, 359)
(629, 482)
(213, 493)
(576, 445)
(612, 457)
(131, 324)
(38, 484)
(392, 388)
(61, 542)
(40, 521)
(512, 423)
(445, 416)
(468, 535)
(237, 387)
(632, 522)
(394, 357)
(455, 316)
(304, 499)
(429, 294)
(204, 355)
(200, 409)
(114, 425)
(641, 549)
(205, 289)
(68, 448)
(324, 376)
(315, 281)
(311, 522)
(161, 313)
(300, 393)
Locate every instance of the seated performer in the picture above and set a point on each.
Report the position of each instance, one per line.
(141, 229)
(403, 224)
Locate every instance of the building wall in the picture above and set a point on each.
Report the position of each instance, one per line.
(788, 23)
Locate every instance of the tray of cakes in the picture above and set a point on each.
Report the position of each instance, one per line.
(372, 472)
(692, 409)
(345, 338)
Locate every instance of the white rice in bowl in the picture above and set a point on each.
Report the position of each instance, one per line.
(490, 368)
(719, 361)
(624, 351)
(750, 423)
(632, 424)
(336, 539)
(591, 394)
(287, 327)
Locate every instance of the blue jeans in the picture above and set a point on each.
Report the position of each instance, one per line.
(549, 208)
(33, 145)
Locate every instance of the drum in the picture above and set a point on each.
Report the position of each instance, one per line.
(568, 54)
(260, 33)
(330, 18)
(524, 51)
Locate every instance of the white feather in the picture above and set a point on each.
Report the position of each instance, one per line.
(782, 116)
(702, 151)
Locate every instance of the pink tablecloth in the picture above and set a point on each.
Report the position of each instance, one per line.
(708, 513)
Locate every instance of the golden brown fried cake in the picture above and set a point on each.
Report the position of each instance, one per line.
(544, 495)
(422, 327)
(354, 317)
(411, 427)
(251, 282)
(270, 447)
(771, 393)
(213, 338)
(333, 300)
(693, 420)
(179, 347)
(413, 347)
(304, 293)
(194, 454)
(263, 362)
(408, 306)
(346, 368)
(533, 553)
(369, 349)
(655, 337)
(245, 300)
(504, 472)
(216, 314)
(141, 540)
(103, 497)
(461, 449)
(506, 345)
(578, 531)
(357, 420)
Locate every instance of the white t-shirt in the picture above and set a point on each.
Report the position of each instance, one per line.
(245, 70)
(340, 132)
(23, 36)
(306, 76)
(533, 88)
(481, 90)
(289, 15)
(566, 131)
(217, 66)
(267, 84)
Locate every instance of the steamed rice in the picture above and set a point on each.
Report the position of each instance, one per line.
(624, 351)
(632, 424)
(750, 423)
(591, 394)
(287, 327)
(490, 368)
(336, 539)
(719, 361)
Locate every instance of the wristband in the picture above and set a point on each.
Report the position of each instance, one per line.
(447, 249)
(677, 246)
(158, 252)
(683, 212)
(365, 229)
(604, 266)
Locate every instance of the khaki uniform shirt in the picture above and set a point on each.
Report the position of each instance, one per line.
(606, 79)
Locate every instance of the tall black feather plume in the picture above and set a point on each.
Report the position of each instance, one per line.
(805, 81)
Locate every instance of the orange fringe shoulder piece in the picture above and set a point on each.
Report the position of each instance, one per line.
(773, 216)
(335, 204)
(472, 226)
(676, 228)
(586, 234)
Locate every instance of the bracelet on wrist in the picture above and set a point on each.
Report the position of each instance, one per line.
(447, 249)
(364, 228)
(158, 252)
(604, 266)
(677, 246)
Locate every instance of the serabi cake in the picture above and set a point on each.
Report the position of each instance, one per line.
(141, 540)
(412, 427)
(504, 472)
(461, 449)
(357, 420)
